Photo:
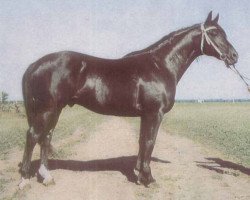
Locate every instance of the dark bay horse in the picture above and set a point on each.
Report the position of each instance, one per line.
(141, 84)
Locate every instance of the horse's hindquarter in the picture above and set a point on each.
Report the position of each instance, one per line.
(51, 80)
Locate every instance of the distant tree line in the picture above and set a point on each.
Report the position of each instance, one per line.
(210, 100)
(4, 97)
(6, 105)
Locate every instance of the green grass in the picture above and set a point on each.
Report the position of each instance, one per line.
(14, 127)
(73, 118)
(12, 132)
(223, 126)
(3, 182)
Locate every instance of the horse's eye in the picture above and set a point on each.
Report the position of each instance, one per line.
(214, 33)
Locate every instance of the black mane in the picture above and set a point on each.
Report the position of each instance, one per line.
(164, 40)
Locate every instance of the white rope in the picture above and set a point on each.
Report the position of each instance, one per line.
(204, 36)
(233, 68)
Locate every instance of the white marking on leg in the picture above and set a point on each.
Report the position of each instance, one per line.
(31, 130)
(136, 172)
(51, 131)
(44, 172)
(24, 183)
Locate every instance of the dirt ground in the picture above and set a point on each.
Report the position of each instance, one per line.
(101, 168)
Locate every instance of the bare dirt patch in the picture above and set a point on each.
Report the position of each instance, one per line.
(101, 167)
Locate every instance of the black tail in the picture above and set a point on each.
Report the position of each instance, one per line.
(28, 98)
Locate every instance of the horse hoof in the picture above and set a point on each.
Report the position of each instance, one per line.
(146, 181)
(49, 181)
(24, 183)
(151, 180)
(141, 179)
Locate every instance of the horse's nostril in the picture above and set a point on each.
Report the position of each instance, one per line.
(235, 55)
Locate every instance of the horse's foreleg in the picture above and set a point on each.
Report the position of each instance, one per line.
(31, 140)
(149, 125)
(140, 153)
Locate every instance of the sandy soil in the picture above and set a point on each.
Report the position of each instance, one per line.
(101, 168)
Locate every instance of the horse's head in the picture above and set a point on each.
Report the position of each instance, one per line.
(214, 41)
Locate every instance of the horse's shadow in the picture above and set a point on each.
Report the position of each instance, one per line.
(125, 165)
(221, 166)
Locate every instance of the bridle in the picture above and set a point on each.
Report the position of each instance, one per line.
(205, 37)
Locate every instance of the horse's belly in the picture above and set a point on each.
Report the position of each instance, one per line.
(110, 107)
(109, 99)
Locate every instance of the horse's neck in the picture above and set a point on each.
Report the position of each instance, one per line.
(182, 51)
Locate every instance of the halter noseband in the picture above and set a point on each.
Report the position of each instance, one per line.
(204, 36)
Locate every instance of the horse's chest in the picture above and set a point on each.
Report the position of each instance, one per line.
(157, 95)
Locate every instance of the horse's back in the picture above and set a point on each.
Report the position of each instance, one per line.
(110, 86)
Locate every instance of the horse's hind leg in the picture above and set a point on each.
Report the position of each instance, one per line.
(50, 120)
(40, 129)
(43, 170)
(31, 140)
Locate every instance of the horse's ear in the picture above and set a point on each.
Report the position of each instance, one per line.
(216, 19)
(209, 17)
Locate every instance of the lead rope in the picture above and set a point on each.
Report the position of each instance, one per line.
(233, 68)
(204, 36)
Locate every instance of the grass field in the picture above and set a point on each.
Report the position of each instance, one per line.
(223, 126)
(14, 127)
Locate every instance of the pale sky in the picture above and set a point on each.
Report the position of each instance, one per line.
(30, 29)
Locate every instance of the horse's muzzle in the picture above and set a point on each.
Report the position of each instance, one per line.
(230, 59)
